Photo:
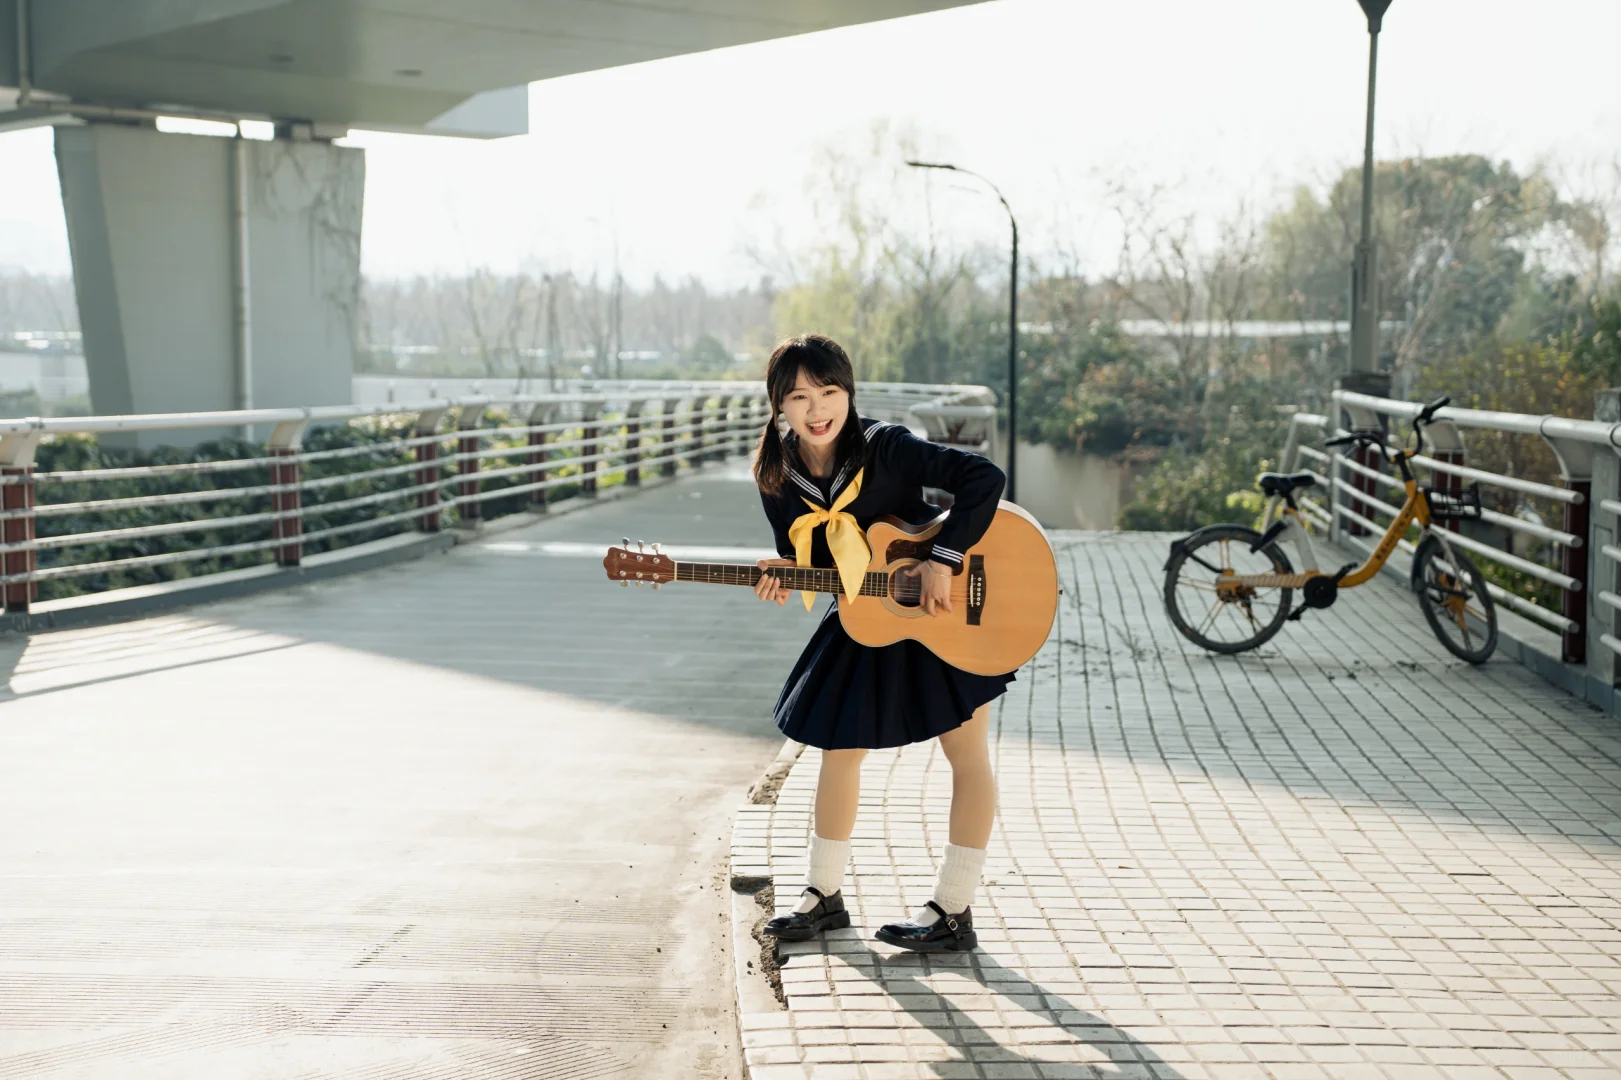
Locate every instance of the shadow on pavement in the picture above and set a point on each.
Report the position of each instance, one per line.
(1115, 1053)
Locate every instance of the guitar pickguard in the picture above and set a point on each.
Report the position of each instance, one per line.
(907, 549)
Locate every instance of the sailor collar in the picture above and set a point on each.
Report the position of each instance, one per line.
(809, 487)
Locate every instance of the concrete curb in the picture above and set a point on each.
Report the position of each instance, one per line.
(762, 1010)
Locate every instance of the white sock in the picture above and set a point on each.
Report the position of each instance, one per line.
(828, 858)
(960, 872)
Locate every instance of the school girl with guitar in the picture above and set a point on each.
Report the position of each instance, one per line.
(826, 474)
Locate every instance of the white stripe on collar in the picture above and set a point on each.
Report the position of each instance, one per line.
(804, 483)
(873, 430)
(843, 474)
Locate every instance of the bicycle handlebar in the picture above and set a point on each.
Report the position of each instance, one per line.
(1426, 415)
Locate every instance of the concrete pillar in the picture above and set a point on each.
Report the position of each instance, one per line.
(1602, 574)
(155, 237)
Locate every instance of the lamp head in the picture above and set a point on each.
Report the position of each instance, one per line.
(1375, 11)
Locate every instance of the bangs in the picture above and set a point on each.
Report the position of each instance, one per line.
(820, 359)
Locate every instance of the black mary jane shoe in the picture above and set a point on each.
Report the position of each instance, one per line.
(948, 933)
(828, 914)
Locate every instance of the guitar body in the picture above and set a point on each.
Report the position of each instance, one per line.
(1004, 598)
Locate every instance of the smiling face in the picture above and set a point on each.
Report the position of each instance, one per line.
(816, 413)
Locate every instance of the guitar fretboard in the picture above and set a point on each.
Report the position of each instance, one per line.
(802, 578)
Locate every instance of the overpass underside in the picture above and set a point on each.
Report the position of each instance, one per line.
(224, 273)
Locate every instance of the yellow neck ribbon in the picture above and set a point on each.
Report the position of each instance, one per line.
(844, 539)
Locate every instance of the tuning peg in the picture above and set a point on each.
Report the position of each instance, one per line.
(655, 549)
(624, 584)
(641, 545)
(656, 585)
(624, 541)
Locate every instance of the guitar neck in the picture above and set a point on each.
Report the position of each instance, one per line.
(799, 578)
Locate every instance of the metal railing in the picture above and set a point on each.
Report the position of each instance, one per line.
(1355, 482)
(420, 467)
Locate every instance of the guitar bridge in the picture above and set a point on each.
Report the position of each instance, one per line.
(976, 588)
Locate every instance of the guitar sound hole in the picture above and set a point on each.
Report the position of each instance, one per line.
(905, 588)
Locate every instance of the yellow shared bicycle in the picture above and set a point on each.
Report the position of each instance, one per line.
(1229, 588)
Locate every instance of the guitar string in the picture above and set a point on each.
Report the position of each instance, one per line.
(814, 579)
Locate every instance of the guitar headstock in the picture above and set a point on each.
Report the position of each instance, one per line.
(626, 566)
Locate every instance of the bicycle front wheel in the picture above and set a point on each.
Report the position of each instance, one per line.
(1221, 618)
(1452, 594)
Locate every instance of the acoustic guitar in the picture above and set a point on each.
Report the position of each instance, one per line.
(1003, 598)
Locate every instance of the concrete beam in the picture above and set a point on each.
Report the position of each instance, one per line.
(403, 64)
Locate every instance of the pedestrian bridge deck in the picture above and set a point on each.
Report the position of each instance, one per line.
(470, 817)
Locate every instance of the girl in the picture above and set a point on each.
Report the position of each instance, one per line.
(825, 472)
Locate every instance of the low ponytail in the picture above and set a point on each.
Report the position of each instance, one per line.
(770, 463)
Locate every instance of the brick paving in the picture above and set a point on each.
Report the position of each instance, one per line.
(1345, 855)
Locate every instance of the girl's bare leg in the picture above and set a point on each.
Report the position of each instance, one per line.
(838, 791)
(973, 785)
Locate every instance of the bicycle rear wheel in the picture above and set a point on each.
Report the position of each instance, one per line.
(1452, 594)
(1225, 620)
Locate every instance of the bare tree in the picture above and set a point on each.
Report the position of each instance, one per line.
(1168, 274)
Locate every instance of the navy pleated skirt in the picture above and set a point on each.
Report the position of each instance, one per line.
(843, 695)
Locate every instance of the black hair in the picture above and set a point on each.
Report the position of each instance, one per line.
(824, 363)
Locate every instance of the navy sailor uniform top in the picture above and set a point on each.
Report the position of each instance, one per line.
(842, 694)
(898, 466)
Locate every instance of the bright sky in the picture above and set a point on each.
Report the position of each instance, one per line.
(689, 161)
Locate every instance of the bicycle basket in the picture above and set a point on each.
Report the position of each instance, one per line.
(1454, 505)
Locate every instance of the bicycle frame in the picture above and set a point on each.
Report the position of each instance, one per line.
(1414, 508)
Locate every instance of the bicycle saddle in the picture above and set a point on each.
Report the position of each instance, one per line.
(1282, 483)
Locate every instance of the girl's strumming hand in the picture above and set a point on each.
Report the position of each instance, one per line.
(768, 587)
(935, 587)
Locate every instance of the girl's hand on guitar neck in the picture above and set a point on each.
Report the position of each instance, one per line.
(768, 587)
(935, 587)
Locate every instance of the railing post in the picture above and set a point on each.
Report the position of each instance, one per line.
(1446, 445)
(286, 473)
(468, 507)
(539, 416)
(1576, 462)
(1361, 419)
(427, 473)
(1603, 575)
(749, 417)
(723, 428)
(591, 437)
(671, 407)
(633, 442)
(1576, 563)
(700, 428)
(17, 497)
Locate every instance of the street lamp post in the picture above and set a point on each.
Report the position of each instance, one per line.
(1012, 328)
(1365, 374)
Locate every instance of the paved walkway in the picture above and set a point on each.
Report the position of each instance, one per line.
(1346, 855)
(460, 818)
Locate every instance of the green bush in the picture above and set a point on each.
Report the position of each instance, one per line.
(1214, 479)
(1186, 491)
